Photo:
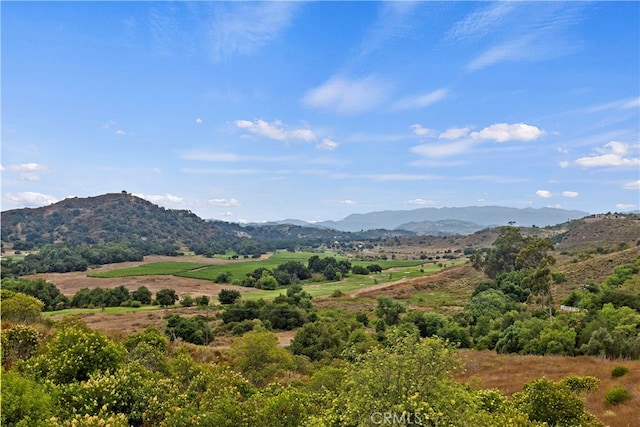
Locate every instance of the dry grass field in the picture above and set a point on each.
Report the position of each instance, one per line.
(508, 373)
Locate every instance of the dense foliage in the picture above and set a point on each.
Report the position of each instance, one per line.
(91, 380)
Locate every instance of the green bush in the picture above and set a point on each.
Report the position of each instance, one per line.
(616, 395)
(619, 371)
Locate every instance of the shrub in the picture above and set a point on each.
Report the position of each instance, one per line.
(228, 296)
(616, 395)
(619, 371)
(337, 293)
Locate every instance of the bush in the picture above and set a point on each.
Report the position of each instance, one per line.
(337, 293)
(228, 296)
(616, 395)
(619, 371)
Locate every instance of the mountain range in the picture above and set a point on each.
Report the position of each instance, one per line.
(458, 220)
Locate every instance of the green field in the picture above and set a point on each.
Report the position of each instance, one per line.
(155, 268)
(393, 270)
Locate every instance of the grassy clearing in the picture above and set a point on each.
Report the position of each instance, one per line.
(351, 283)
(155, 268)
(239, 269)
(106, 310)
(438, 299)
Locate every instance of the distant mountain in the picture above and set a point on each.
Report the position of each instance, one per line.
(445, 227)
(484, 216)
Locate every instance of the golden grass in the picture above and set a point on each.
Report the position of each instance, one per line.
(508, 373)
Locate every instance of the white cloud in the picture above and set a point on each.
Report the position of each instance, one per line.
(502, 132)
(224, 202)
(443, 149)
(27, 171)
(198, 120)
(420, 101)
(108, 124)
(543, 193)
(454, 133)
(348, 202)
(625, 206)
(168, 200)
(420, 131)
(633, 185)
(120, 132)
(421, 202)
(276, 130)
(613, 155)
(571, 194)
(29, 199)
(564, 164)
(328, 144)
(345, 96)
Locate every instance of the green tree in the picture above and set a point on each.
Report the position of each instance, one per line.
(73, 354)
(228, 296)
(554, 403)
(166, 297)
(24, 401)
(142, 294)
(389, 310)
(317, 340)
(257, 356)
(18, 343)
(19, 307)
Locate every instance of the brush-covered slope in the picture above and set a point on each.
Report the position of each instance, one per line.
(110, 217)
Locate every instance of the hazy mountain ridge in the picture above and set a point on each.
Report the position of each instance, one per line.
(483, 216)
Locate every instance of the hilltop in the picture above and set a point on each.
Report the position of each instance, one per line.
(113, 217)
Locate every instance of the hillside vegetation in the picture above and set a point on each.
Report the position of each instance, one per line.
(358, 331)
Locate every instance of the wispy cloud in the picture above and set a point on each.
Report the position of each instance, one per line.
(621, 104)
(276, 130)
(570, 194)
(422, 202)
(225, 157)
(443, 149)
(245, 27)
(633, 185)
(29, 199)
(520, 31)
(219, 30)
(626, 206)
(614, 154)
(348, 96)
(421, 100)
(224, 202)
(454, 133)
(545, 194)
(421, 131)
(327, 144)
(27, 171)
(478, 24)
(394, 21)
(168, 200)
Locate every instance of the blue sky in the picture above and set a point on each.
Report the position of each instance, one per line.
(252, 111)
